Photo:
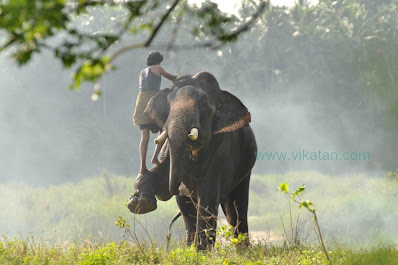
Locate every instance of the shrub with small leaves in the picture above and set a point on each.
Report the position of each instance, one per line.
(228, 232)
(294, 197)
(393, 175)
(104, 255)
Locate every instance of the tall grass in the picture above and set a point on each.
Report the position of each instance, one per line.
(354, 210)
(77, 211)
(27, 251)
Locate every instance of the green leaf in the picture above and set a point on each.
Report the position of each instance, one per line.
(91, 71)
(284, 187)
(299, 191)
(307, 204)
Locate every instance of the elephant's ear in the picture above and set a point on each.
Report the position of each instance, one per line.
(231, 115)
(157, 108)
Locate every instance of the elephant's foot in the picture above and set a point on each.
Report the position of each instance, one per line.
(141, 203)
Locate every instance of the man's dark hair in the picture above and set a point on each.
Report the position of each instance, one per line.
(154, 57)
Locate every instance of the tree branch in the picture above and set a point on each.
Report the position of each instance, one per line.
(148, 42)
(245, 26)
(210, 44)
(161, 22)
(125, 49)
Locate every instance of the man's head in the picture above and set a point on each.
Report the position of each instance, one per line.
(153, 58)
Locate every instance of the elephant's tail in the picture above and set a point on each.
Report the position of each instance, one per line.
(168, 236)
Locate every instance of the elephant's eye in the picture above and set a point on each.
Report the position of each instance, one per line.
(203, 103)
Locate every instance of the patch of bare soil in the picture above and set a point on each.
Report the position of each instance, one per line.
(266, 237)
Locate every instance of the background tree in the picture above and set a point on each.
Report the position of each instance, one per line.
(313, 76)
(78, 32)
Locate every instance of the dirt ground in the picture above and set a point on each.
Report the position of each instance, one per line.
(266, 237)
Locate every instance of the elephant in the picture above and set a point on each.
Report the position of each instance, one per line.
(206, 159)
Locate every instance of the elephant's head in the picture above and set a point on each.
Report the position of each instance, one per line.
(191, 113)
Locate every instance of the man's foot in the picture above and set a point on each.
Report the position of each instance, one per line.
(155, 161)
(143, 170)
(141, 203)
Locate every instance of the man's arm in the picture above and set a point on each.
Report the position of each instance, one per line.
(164, 73)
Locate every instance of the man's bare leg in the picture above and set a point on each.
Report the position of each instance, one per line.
(144, 149)
(141, 202)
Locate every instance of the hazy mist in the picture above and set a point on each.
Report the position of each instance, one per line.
(52, 135)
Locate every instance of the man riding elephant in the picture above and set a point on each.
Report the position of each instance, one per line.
(206, 160)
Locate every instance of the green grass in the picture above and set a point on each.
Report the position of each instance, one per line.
(75, 223)
(77, 211)
(27, 251)
(353, 209)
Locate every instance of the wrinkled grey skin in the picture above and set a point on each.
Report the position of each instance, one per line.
(212, 170)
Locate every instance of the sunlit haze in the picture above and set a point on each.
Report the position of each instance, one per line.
(230, 6)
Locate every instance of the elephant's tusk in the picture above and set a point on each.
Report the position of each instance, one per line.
(194, 134)
(161, 138)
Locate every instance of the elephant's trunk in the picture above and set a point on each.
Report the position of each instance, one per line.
(176, 170)
(183, 120)
(177, 134)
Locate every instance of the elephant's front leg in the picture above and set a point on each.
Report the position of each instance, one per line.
(187, 205)
(207, 219)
